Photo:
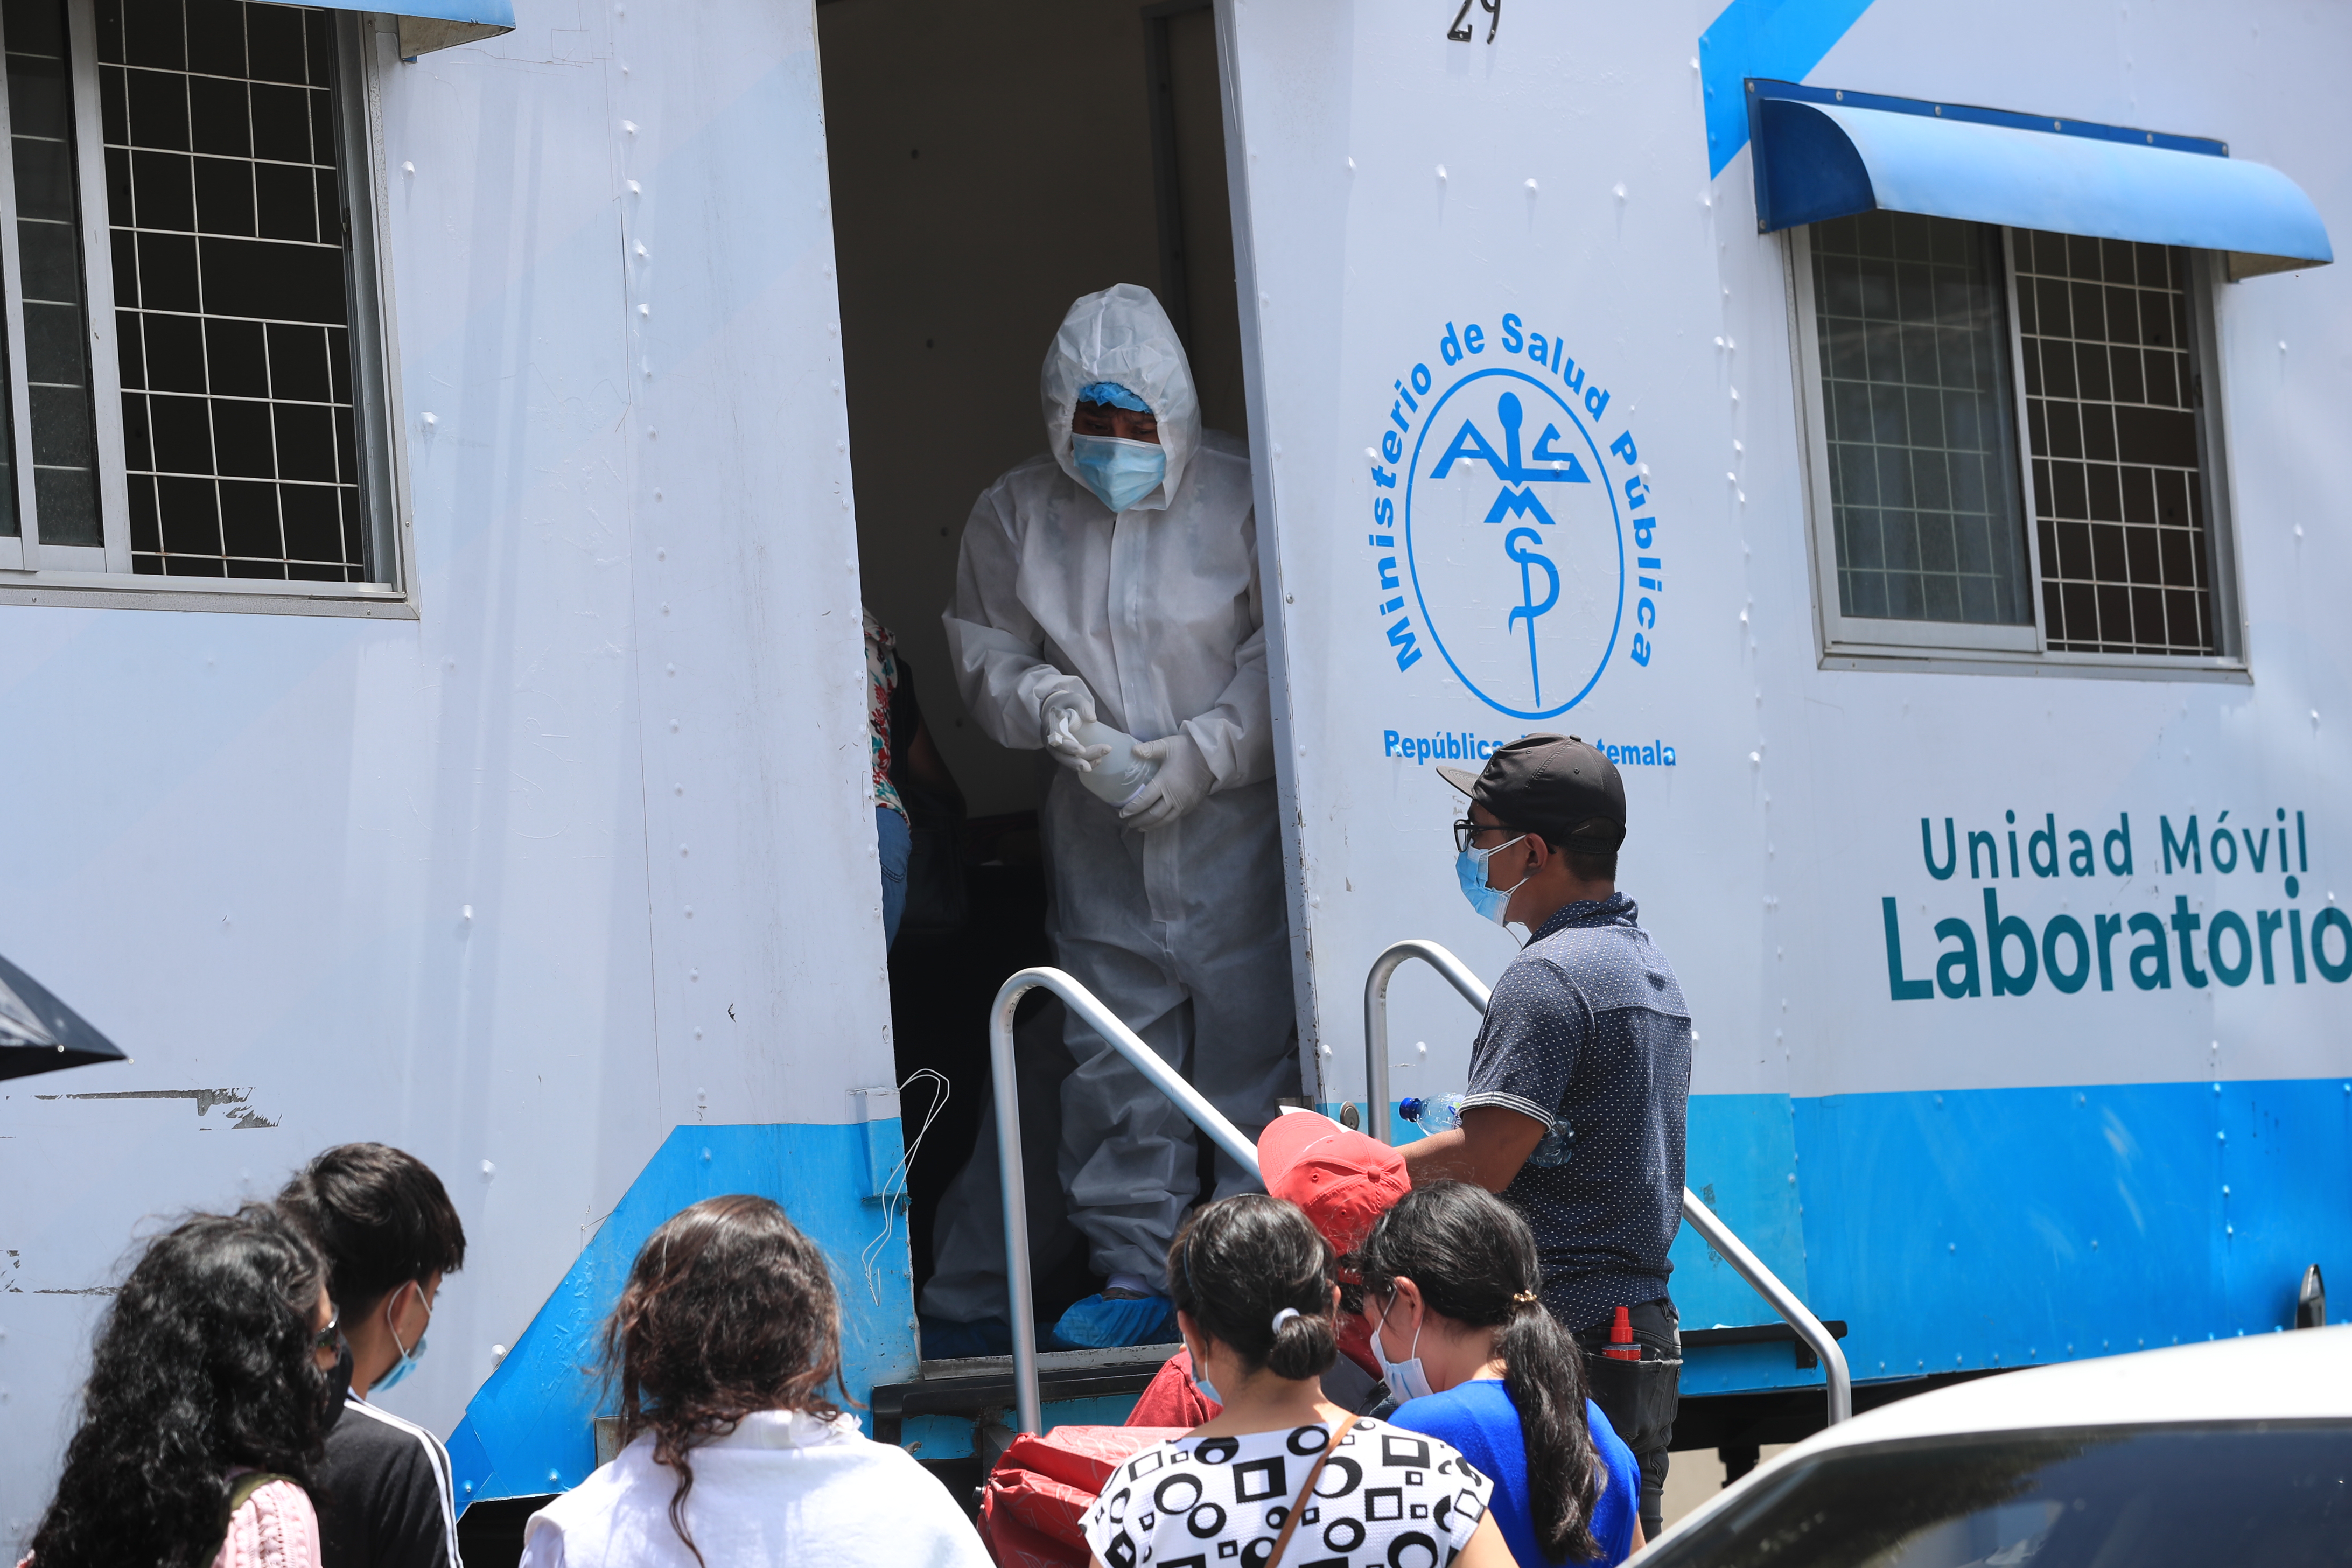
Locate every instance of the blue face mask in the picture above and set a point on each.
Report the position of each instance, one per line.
(1470, 868)
(1208, 1390)
(409, 1357)
(1120, 473)
(401, 1368)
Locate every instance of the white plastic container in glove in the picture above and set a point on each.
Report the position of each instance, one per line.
(1119, 777)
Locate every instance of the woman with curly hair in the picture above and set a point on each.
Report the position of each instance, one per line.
(207, 1405)
(724, 1339)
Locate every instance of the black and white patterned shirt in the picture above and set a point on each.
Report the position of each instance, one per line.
(1588, 1025)
(1387, 1495)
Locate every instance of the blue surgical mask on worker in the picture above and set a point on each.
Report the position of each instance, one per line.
(1120, 473)
(1470, 867)
(409, 1356)
(1405, 1378)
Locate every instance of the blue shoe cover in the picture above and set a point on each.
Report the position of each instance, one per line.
(1103, 1323)
(944, 1341)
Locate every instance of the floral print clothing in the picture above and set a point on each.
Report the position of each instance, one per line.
(881, 680)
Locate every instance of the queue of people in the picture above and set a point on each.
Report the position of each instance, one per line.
(1439, 1329)
(226, 1417)
(225, 1370)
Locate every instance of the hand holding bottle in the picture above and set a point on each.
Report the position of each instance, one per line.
(1059, 719)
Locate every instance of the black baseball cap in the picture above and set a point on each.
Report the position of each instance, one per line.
(1553, 784)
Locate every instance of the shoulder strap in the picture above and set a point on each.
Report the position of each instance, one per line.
(1298, 1504)
(241, 1490)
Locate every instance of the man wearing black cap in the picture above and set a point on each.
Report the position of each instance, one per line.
(1587, 1038)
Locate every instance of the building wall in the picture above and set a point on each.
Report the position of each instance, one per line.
(582, 852)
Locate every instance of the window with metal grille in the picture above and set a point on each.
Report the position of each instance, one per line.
(230, 301)
(2006, 434)
(2110, 394)
(46, 275)
(186, 165)
(1916, 411)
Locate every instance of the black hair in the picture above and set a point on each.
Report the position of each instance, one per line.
(1239, 1263)
(1474, 1261)
(382, 1217)
(728, 1309)
(1580, 846)
(203, 1362)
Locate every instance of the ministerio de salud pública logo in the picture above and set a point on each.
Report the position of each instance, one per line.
(1505, 536)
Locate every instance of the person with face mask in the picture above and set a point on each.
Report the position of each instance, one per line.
(1342, 1182)
(1256, 1289)
(389, 1233)
(1449, 1279)
(211, 1387)
(1108, 592)
(1587, 1035)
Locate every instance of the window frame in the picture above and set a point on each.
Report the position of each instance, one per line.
(102, 577)
(1854, 642)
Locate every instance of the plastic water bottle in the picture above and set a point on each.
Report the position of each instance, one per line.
(1439, 1113)
(1119, 777)
(1443, 1111)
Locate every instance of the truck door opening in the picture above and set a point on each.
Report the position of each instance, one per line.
(990, 166)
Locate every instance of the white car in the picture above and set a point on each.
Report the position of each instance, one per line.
(2208, 1456)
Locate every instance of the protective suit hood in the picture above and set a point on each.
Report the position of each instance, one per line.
(1121, 334)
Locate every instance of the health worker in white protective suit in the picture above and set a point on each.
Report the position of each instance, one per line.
(1115, 581)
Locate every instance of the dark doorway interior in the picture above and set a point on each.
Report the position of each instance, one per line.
(989, 164)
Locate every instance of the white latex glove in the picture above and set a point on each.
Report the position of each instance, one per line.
(1056, 716)
(1182, 781)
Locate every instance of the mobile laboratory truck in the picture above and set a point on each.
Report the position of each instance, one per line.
(1903, 435)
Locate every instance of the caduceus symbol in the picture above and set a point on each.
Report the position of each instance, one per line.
(1551, 465)
(1521, 545)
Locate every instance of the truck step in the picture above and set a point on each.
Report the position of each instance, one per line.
(982, 1386)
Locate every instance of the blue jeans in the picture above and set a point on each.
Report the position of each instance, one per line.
(897, 842)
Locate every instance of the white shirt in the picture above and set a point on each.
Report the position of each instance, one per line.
(785, 1486)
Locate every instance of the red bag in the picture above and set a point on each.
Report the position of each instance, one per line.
(1173, 1399)
(1031, 1511)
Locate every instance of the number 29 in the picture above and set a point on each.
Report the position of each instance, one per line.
(1460, 32)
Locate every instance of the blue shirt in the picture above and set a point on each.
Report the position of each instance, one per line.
(1479, 1421)
(1587, 1026)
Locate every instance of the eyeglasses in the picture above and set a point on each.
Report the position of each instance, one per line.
(326, 1338)
(1465, 831)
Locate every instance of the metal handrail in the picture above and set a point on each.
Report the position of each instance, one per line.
(1228, 1137)
(1147, 1061)
(1783, 1301)
(1744, 1263)
(1376, 1015)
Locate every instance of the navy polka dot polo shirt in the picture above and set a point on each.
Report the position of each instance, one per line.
(1588, 1025)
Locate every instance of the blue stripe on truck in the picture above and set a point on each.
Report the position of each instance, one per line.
(530, 1427)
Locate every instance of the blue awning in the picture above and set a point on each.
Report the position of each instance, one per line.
(1821, 153)
(429, 25)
